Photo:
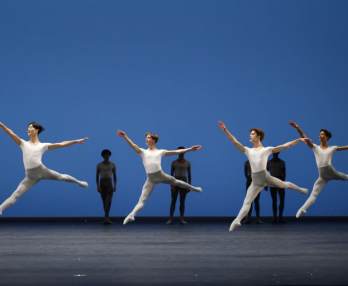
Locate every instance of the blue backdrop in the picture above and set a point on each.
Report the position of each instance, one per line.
(88, 68)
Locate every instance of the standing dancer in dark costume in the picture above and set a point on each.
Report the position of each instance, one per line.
(106, 182)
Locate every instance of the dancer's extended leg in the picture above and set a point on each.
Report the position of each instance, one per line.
(167, 179)
(54, 175)
(252, 193)
(147, 189)
(23, 186)
(317, 188)
(275, 182)
(339, 175)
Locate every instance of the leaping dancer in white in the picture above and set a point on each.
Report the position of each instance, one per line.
(152, 163)
(323, 157)
(258, 156)
(35, 170)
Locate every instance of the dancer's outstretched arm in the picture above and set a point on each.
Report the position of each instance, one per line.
(66, 143)
(129, 141)
(308, 142)
(181, 151)
(233, 139)
(287, 145)
(13, 135)
(342, 148)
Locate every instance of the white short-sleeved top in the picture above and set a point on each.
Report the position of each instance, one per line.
(258, 158)
(323, 157)
(152, 159)
(32, 153)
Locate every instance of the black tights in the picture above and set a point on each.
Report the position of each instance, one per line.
(175, 192)
(107, 200)
(274, 192)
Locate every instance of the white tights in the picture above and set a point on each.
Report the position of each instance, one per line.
(156, 178)
(259, 181)
(32, 177)
(326, 174)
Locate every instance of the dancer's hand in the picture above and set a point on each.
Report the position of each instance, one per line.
(293, 124)
(196, 147)
(121, 133)
(305, 140)
(222, 125)
(82, 140)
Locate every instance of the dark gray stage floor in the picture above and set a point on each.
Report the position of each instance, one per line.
(77, 253)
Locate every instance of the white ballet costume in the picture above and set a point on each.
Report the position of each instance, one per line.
(323, 159)
(35, 171)
(261, 178)
(152, 164)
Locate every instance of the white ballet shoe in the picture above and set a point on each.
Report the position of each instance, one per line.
(83, 184)
(234, 225)
(198, 189)
(300, 212)
(128, 219)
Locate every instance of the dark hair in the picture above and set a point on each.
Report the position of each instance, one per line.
(259, 132)
(327, 133)
(154, 136)
(37, 126)
(180, 147)
(105, 152)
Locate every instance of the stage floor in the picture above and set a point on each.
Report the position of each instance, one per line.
(77, 253)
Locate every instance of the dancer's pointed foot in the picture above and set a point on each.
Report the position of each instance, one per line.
(83, 184)
(303, 190)
(300, 212)
(169, 221)
(197, 189)
(128, 219)
(234, 225)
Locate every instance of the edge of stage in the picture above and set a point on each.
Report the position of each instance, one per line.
(161, 219)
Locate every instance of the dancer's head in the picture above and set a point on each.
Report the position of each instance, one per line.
(34, 128)
(256, 135)
(181, 156)
(106, 154)
(151, 138)
(324, 135)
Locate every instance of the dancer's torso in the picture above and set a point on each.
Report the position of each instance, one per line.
(106, 170)
(152, 160)
(258, 158)
(181, 168)
(32, 153)
(323, 157)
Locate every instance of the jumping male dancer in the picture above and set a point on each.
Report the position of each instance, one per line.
(35, 170)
